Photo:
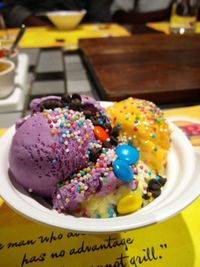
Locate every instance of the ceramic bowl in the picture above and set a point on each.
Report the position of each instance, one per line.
(7, 75)
(66, 20)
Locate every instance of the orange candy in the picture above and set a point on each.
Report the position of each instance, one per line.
(100, 133)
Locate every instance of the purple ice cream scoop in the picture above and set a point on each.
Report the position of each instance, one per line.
(69, 197)
(48, 147)
(99, 181)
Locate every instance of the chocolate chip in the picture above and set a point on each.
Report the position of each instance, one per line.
(75, 106)
(99, 186)
(107, 144)
(90, 107)
(107, 126)
(47, 105)
(57, 104)
(94, 154)
(162, 180)
(115, 131)
(87, 114)
(66, 99)
(41, 108)
(76, 96)
(156, 193)
(76, 101)
(145, 196)
(51, 104)
(113, 140)
(153, 185)
(94, 121)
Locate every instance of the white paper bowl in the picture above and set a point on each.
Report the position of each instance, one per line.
(66, 20)
(182, 187)
(7, 79)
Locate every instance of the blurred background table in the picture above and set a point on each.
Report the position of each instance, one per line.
(56, 65)
(161, 68)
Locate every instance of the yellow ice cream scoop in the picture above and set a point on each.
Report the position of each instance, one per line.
(144, 124)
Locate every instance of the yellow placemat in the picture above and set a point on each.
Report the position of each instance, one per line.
(164, 26)
(51, 37)
(173, 243)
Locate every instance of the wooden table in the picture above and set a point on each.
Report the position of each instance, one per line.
(161, 68)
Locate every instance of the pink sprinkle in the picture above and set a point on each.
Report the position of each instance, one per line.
(58, 196)
(109, 187)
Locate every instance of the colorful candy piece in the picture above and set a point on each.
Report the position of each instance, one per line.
(100, 133)
(128, 153)
(129, 203)
(122, 170)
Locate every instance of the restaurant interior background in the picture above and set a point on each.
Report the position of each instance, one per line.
(52, 62)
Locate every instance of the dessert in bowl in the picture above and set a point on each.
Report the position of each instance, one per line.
(92, 173)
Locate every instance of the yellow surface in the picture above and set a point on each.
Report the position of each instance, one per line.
(164, 26)
(51, 37)
(173, 243)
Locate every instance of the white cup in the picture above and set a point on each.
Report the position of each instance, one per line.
(7, 76)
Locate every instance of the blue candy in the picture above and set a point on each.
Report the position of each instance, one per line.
(122, 170)
(128, 153)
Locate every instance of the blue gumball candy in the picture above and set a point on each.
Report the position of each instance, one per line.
(122, 170)
(127, 153)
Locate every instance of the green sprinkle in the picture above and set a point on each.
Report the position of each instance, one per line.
(105, 180)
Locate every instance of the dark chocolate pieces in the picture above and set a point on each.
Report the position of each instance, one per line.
(154, 186)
